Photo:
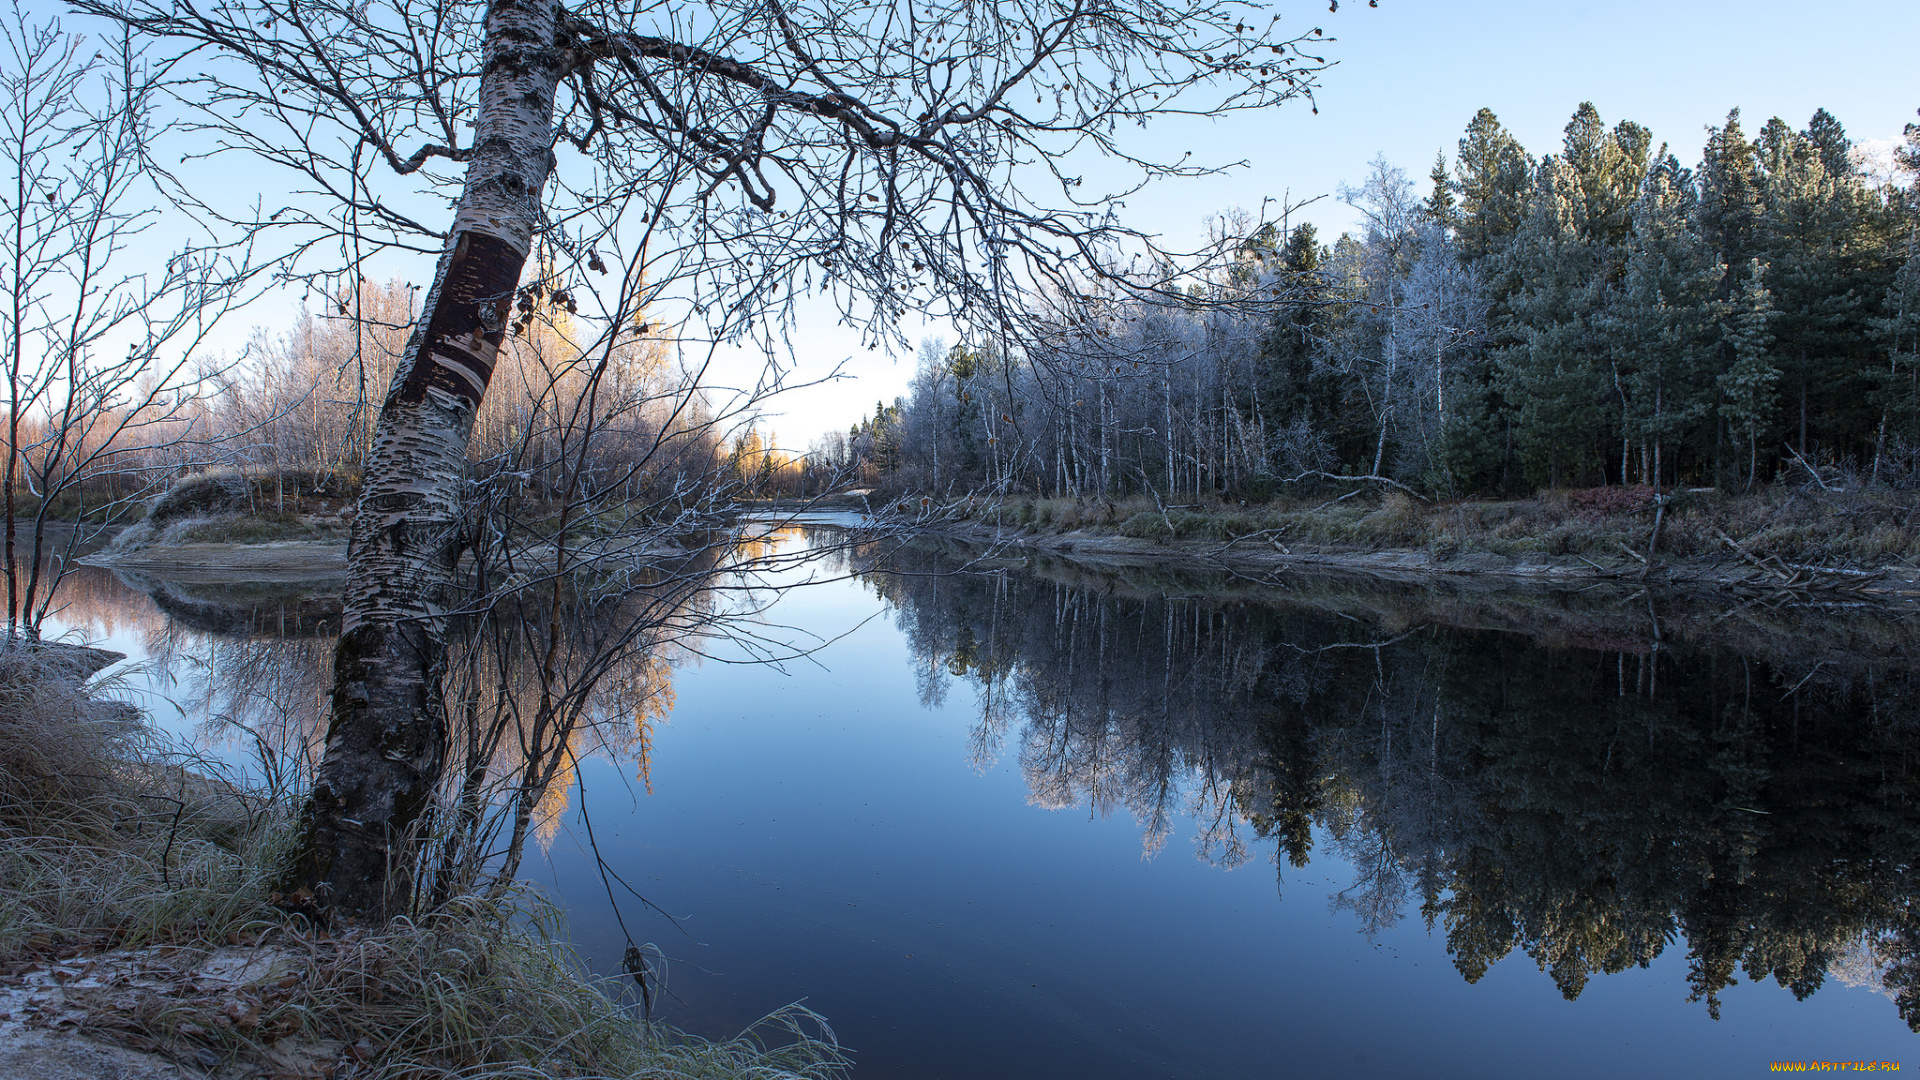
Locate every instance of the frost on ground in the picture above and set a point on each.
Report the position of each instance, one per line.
(81, 1018)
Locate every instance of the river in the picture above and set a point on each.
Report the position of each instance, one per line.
(1019, 818)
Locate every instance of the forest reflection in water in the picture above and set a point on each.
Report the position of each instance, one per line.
(1586, 780)
(1591, 783)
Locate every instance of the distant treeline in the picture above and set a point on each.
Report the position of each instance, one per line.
(1601, 315)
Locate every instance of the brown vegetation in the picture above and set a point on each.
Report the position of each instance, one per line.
(1602, 528)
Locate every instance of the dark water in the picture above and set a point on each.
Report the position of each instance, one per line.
(1039, 821)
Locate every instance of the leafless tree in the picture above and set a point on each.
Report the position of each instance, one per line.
(890, 154)
(101, 360)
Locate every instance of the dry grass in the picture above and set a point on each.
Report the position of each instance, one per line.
(261, 528)
(137, 880)
(1861, 527)
(107, 837)
(478, 990)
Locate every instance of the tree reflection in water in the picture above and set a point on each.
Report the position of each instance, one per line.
(540, 675)
(1586, 780)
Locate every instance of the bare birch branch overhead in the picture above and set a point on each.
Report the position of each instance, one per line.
(729, 155)
(895, 153)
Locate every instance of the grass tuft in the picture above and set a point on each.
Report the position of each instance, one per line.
(107, 837)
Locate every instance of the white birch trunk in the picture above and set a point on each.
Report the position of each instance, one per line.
(386, 740)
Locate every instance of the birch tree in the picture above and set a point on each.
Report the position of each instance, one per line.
(889, 153)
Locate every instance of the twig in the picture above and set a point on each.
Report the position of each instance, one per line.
(1341, 499)
(1788, 575)
(1803, 682)
(1244, 536)
(1810, 469)
(1370, 478)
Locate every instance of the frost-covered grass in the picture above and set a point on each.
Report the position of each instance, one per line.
(226, 507)
(107, 836)
(261, 528)
(124, 859)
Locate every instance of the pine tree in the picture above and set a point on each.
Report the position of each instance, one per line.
(1494, 178)
(1830, 140)
(1730, 200)
(1729, 220)
(1662, 323)
(1567, 259)
(1293, 385)
(1609, 166)
(1747, 387)
(1824, 238)
(1548, 372)
(1442, 208)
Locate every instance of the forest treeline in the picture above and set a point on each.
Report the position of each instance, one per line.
(565, 405)
(1604, 314)
(295, 414)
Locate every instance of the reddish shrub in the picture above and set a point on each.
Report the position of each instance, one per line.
(1601, 502)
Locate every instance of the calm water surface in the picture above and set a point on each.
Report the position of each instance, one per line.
(1038, 821)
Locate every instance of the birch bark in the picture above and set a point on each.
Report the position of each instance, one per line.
(387, 735)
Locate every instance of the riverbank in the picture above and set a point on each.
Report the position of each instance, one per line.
(137, 936)
(1781, 541)
(1798, 542)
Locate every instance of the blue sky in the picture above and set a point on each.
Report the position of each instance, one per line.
(1411, 73)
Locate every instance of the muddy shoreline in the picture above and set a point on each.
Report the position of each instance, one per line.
(211, 563)
(1892, 584)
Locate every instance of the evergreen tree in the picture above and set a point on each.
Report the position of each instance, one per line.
(1747, 387)
(1548, 373)
(1730, 200)
(1609, 166)
(1729, 221)
(1662, 324)
(1493, 177)
(1441, 207)
(1566, 260)
(1823, 236)
(1293, 383)
(1829, 139)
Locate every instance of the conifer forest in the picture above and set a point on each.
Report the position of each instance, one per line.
(1615, 310)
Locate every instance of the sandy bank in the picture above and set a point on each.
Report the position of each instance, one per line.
(279, 560)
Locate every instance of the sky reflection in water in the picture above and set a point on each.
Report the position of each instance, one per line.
(967, 832)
